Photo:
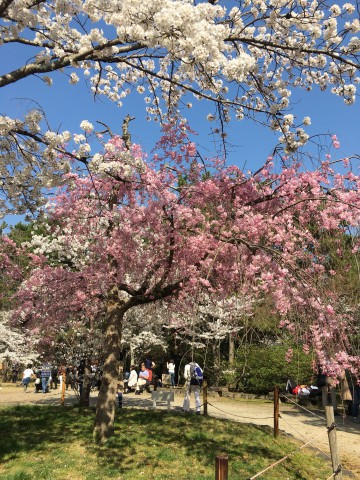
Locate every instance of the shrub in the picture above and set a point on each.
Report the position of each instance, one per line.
(260, 368)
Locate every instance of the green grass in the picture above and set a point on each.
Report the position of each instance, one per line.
(54, 443)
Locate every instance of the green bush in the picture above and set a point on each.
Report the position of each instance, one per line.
(261, 367)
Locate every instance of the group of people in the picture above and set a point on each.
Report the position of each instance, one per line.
(140, 381)
(325, 389)
(42, 376)
(49, 377)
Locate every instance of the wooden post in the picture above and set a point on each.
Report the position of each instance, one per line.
(155, 382)
(331, 426)
(63, 388)
(205, 397)
(276, 411)
(221, 467)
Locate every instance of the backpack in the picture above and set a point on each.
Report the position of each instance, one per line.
(196, 374)
(289, 387)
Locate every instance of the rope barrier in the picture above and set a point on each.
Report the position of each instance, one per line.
(331, 427)
(305, 439)
(302, 407)
(314, 414)
(316, 437)
(308, 442)
(240, 416)
(279, 461)
(334, 425)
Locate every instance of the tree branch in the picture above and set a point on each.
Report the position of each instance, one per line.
(53, 65)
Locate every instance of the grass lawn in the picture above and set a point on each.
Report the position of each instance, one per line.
(54, 443)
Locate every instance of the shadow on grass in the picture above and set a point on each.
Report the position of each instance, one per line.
(199, 439)
(27, 426)
(156, 441)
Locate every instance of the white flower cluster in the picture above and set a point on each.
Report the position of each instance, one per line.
(117, 162)
(28, 162)
(349, 8)
(86, 126)
(16, 345)
(57, 248)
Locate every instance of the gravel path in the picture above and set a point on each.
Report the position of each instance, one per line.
(301, 423)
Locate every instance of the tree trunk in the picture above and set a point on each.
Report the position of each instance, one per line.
(132, 354)
(86, 386)
(105, 409)
(231, 349)
(231, 383)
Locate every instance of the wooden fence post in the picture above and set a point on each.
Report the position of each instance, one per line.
(205, 397)
(221, 467)
(276, 411)
(331, 426)
(63, 388)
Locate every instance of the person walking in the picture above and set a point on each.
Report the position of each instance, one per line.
(193, 375)
(15, 373)
(45, 375)
(171, 371)
(54, 378)
(27, 374)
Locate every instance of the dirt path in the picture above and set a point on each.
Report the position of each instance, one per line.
(294, 420)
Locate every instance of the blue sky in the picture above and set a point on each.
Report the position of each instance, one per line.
(66, 106)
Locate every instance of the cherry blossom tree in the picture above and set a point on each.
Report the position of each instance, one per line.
(144, 331)
(136, 231)
(16, 345)
(243, 57)
(206, 323)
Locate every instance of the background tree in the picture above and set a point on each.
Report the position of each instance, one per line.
(143, 332)
(19, 259)
(16, 346)
(206, 330)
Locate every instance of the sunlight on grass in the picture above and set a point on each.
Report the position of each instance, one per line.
(53, 443)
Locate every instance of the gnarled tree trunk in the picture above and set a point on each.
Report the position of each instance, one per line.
(86, 386)
(105, 410)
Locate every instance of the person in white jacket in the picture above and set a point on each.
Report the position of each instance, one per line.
(131, 382)
(171, 371)
(27, 374)
(192, 384)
